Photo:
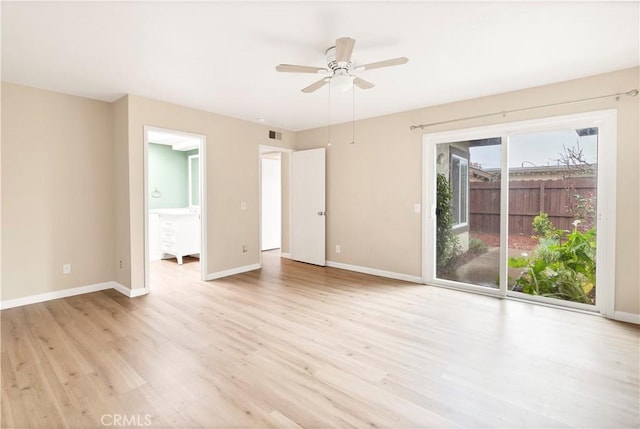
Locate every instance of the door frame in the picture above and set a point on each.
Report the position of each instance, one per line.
(606, 121)
(202, 152)
(262, 148)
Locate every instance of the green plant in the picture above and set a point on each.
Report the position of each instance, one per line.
(447, 244)
(561, 267)
(547, 249)
(477, 246)
(543, 227)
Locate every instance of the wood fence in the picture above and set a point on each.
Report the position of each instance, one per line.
(527, 199)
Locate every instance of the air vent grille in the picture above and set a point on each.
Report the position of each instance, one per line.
(275, 135)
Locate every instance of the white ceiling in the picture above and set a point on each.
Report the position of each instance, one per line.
(220, 57)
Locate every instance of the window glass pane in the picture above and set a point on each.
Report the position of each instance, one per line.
(468, 212)
(552, 214)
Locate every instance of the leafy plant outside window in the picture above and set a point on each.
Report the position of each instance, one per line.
(447, 244)
(562, 265)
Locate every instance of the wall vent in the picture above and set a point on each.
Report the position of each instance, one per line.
(275, 135)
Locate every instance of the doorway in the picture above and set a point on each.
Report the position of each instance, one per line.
(275, 211)
(175, 203)
(271, 201)
(524, 210)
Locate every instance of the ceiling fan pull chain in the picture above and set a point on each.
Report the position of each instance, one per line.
(353, 113)
(329, 125)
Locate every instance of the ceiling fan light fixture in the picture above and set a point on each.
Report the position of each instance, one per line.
(342, 82)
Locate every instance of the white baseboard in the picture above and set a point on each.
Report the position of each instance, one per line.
(626, 317)
(65, 293)
(48, 296)
(131, 293)
(233, 271)
(122, 289)
(375, 272)
(138, 292)
(285, 255)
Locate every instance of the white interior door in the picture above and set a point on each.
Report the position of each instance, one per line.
(308, 206)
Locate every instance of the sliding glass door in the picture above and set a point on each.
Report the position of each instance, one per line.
(468, 217)
(553, 202)
(525, 210)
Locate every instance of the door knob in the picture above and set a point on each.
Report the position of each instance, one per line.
(322, 213)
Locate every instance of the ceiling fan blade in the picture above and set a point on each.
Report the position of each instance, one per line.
(344, 49)
(316, 85)
(362, 84)
(291, 68)
(385, 63)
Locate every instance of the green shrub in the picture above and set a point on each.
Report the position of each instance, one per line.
(543, 227)
(561, 267)
(447, 244)
(547, 249)
(477, 246)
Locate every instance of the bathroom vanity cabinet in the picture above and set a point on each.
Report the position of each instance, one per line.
(179, 234)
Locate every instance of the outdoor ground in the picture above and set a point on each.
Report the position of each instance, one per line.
(515, 241)
(484, 269)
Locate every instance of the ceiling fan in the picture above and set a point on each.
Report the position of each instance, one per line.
(339, 68)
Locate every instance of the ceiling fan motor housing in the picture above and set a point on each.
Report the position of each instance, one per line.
(338, 68)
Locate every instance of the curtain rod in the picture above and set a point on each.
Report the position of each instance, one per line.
(631, 93)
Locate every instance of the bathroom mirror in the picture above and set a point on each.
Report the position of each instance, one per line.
(194, 180)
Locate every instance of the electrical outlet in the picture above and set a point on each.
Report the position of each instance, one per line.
(417, 208)
(338, 250)
(66, 269)
(243, 206)
(244, 249)
(121, 264)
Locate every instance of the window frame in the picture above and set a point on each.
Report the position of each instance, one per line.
(455, 153)
(606, 121)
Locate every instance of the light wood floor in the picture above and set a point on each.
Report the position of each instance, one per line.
(295, 345)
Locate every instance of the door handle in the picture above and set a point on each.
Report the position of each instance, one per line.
(322, 213)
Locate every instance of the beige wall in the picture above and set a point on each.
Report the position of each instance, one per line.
(57, 191)
(0, 188)
(72, 171)
(373, 184)
(232, 162)
(122, 248)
